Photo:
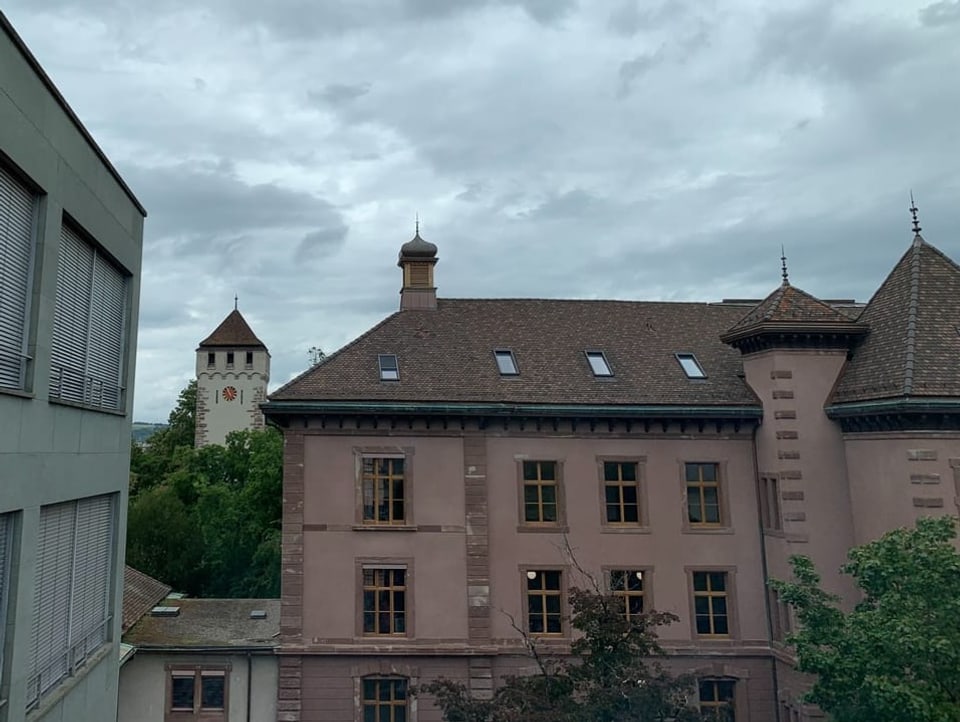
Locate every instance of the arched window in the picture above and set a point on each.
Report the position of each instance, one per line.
(384, 699)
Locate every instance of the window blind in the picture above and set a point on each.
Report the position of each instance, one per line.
(17, 205)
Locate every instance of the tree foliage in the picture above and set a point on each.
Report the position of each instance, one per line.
(207, 521)
(614, 674)
(896, 656)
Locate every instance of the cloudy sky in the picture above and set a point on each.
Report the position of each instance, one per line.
(635, 149)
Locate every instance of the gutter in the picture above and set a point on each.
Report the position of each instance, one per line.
(205, 649)
(889, 406)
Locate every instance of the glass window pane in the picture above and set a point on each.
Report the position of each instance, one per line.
(553, 604)
(548, 470)
(613, 513)
(399, 714)
(212, 692)
(629, 494)
(181, 693)
(400, 623)
(701, 605)
(369, 689)
(398, 510)
(531, 512)
(552, 580)
(700, 581)
(531, 493)
(617, 580)
(610, 471)
(536, 624)
(554, 625)
(703, 624)
(629, 472)
(690, 366)
(694, 513)
(598, 364)
(530, 470)
(711, 514)
(720, 605)
(369, 713)
(693, 472)
(400, 577)
(399, 601)
(506, 363)
(549, 512)
(709, 472)
(718, 581)
(385, 714)
(612, 494)
(631, 513)
(548, 494)
(720, 625)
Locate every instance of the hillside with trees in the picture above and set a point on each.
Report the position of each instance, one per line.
(207, 521)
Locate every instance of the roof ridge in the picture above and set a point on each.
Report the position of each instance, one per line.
(911, 342)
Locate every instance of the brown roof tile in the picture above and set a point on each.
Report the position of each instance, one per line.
(233, 331)
(446, 355)
(140, 594)
(914, 344)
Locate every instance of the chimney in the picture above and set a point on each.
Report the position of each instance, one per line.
(417, 259)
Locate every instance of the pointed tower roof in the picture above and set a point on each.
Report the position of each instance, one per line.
(914, 344)
(233, 331)
(789, 316)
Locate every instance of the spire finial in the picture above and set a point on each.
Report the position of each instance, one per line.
(417, 224)
(236, 300)
(783, 266)
(913, 212)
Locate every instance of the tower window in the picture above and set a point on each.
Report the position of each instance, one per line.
(506, 363)
(211, 359)
(389, 370)
(229, 359)
(598, 363)
(249, 359)
(691, 367)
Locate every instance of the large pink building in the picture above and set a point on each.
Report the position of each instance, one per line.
(440, 469)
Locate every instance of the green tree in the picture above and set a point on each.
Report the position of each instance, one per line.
(149, 464)
(614, 674)
(896, 656)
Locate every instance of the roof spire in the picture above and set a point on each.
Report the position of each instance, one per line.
(236, 300)
(913, 212)
(783, 266)
(417, 224)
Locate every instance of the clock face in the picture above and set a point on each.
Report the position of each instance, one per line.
(229, 393)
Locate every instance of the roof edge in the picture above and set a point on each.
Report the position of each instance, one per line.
(893, 405)
(34, 64)
(853, 328)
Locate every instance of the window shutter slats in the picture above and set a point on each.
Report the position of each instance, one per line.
(16, 247)
(106, 334)
(94, 559)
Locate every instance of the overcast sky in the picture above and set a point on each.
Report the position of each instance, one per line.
(632, 149)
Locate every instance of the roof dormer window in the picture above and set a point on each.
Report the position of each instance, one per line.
(506, 363)
(691, 367)
(598, 363)
(389, 370)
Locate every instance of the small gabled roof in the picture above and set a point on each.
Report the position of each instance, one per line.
(233, 331)
(140, 594)
(914, 344)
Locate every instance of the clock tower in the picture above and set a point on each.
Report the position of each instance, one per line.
(233, 369)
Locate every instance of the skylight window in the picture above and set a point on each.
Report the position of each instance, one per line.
(506, 363)
(389, 371)
(598, 363)
(691, 367)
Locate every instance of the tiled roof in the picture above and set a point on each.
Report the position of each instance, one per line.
(446, 355)
(914, 344)
(140, 594)
(210, 623)
(233, 331)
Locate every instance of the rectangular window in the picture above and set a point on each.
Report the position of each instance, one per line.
(73, 590)
(598, 363)
(248, 360)
(229, 359)
(703, 494)
(211, 359)
(621, 492)
(384, 601)
(17, 212)
(710, 604)
(627, 585)
(382, 489)
(716, 699)
(691, 367)
(197, 694)
(544, 602)
(540, 497)
(89, 326)
(506, 363)
(389, 370)
(384, 699)
(769, 491)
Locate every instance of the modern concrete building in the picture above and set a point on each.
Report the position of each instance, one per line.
(70, 248)
(202, 660)
(233, 370)
(437, 467)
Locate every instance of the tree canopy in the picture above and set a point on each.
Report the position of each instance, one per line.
(896, 656)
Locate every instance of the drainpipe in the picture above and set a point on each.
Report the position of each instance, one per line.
(766, 577)
(249, 684)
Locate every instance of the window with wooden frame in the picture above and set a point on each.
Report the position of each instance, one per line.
(384, 699)
(769, 490)
(197, 693)
(541, 492)
(703, 494)
(384, 600)
(621, 492)
(717, 699)
(544, 601)
(710, 604)
(627, 585)
(382, 490)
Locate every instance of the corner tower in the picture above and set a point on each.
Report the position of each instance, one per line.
(233, 370)
(417, 259)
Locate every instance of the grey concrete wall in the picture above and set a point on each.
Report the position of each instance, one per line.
(143, 685)
(52, 452)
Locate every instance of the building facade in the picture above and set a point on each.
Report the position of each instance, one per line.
(448, 475)
(70, 249)
(233, 370)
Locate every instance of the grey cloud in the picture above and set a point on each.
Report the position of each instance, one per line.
(632, 70)
(576, 203)
(941, 13)
(337, 93)
(320, 243)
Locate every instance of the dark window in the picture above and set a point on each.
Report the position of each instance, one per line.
(544, 602)
(506, 363)
(627, 584)
(598, 363)
(540, 492)
(181, 691)
(384, 601)
(197, 691)
(703, 494)
(211, 690)
(249, 359)
(389, 370)
(384, 699)
(716, 699)
(229, 359)
(710, 603)
(382, 486)
(691, 367)
(621, 492)
(770, 503)
(211, 358)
